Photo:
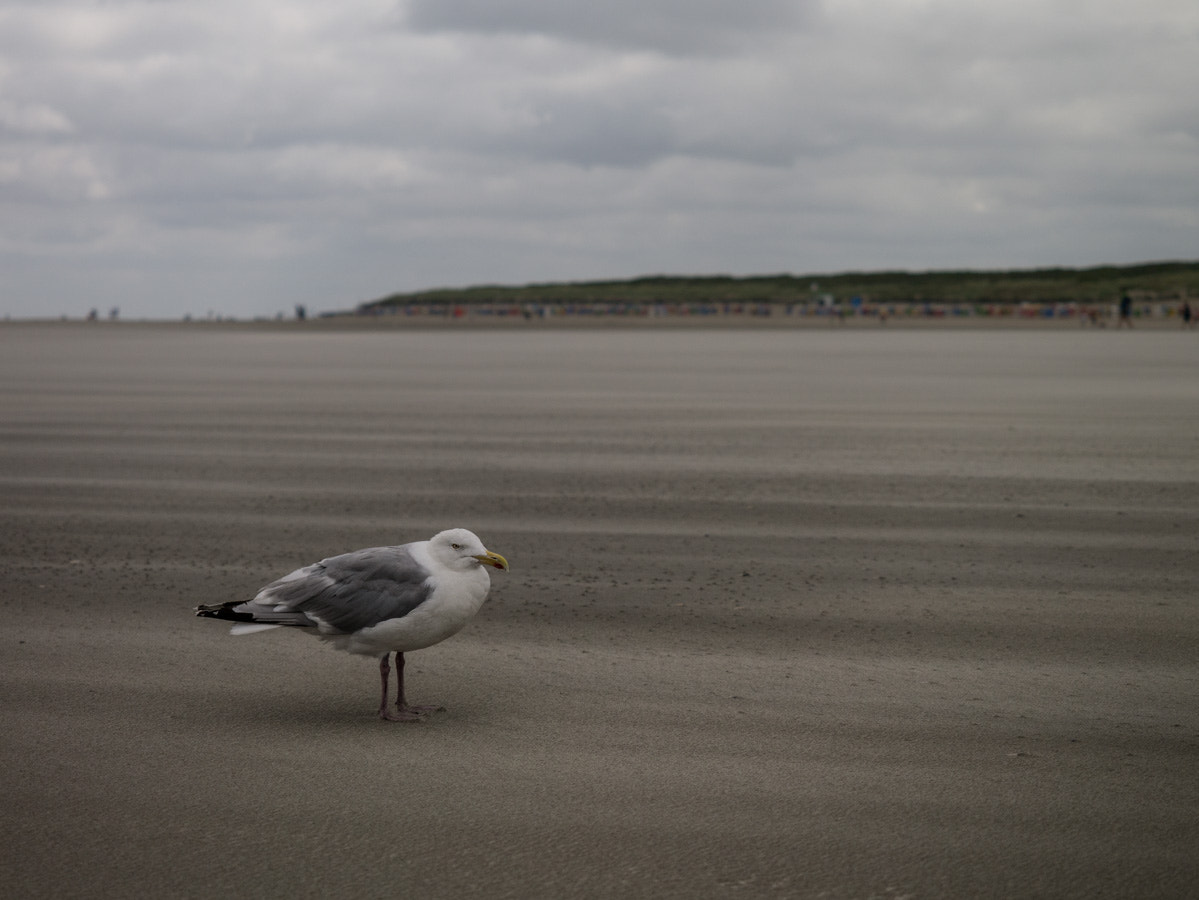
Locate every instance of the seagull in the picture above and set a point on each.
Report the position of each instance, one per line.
(377, 601)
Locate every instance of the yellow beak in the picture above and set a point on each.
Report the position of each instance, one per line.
(493, 559)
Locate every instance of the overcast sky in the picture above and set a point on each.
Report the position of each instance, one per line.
(241, 156)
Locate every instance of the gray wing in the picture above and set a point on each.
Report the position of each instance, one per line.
(355, 590)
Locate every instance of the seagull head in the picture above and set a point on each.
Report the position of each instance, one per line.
(459, 549)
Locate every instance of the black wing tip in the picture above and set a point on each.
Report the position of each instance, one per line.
(224, 611)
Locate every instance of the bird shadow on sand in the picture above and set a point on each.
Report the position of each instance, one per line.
(328, 712)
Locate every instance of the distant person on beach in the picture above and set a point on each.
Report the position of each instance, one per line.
(1125, 311)
(1186, 313)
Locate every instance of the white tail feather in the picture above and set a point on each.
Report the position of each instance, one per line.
(251, 628)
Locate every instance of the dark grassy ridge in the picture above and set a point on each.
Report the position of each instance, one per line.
(1100, 284)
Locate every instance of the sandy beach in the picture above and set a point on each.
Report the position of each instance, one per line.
(793, 613)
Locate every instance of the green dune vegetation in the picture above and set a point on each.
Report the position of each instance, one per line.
(1100, 285)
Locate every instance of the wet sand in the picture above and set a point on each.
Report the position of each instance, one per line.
(791, 614)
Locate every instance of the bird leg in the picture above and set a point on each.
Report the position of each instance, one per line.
(402, 702)
(402, 714)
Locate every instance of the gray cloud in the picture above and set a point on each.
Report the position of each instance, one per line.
(669, 26)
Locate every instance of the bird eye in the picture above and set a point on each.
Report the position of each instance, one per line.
(456, 546)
